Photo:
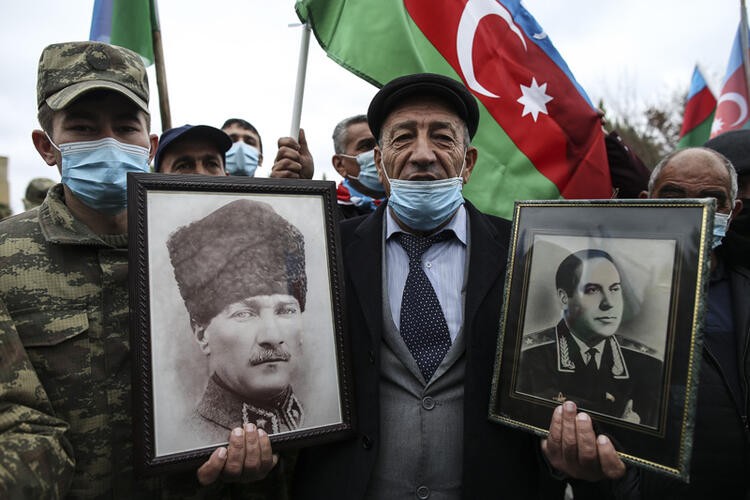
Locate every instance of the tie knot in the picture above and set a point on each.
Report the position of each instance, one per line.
(416, 246)
(591, 354)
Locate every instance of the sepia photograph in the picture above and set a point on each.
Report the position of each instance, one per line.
(603, 307)
(242, 323)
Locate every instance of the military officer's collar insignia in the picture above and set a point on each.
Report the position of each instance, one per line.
(560, 398)
(619, 368)
(287, 414)
(564, 363)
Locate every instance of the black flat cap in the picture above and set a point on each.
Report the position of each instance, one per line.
(423, 85)
(213, 135)
(735, 145)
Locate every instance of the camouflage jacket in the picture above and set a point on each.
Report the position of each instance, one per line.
(66, 293)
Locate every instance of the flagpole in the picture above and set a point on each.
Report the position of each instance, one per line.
(161, 72)
(744, 44)
(300, 85)
(161, 82)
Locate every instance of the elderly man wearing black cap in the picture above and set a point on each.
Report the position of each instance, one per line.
(424, 282)
(241, 273)
(192, 149)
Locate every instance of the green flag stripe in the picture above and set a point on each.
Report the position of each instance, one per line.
(131, 27)
(699, 135)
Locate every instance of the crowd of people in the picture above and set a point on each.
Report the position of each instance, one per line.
(424, 282)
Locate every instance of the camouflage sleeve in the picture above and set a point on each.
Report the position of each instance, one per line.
(36, 459)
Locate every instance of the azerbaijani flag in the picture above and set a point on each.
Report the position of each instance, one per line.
(699, 113)
(127, 23)
(731, 110)
(539, 135)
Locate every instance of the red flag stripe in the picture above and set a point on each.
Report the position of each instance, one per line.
(697, 110)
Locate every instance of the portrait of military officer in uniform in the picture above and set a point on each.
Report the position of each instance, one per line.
(582, 358)
(241, 273)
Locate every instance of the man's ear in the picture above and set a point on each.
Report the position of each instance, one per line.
(260, 159)
(154, 140)
(563, 296)
(200, 336)
(338, 164)
(471, 159)
(736, 209)
(378, 157)
(44, 146)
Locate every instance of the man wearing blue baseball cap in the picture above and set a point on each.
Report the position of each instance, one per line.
(192, 149)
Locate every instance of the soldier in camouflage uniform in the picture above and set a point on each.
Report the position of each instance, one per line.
(64, 337)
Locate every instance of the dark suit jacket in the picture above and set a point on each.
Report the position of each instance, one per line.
(497, 460)
(552, 367)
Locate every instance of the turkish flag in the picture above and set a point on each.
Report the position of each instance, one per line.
(523, 88)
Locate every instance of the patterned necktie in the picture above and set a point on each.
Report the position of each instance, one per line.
(423, 325)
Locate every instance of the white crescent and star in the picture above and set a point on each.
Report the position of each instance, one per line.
(741, 103)
(474, 12)
(534, 97)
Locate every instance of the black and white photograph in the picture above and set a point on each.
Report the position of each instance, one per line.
(242, 325)
(596, 322)
(603, 306)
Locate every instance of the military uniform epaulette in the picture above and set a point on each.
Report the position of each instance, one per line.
(538, 338)
(632, 345)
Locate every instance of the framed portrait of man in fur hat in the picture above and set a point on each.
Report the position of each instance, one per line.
(235, 317)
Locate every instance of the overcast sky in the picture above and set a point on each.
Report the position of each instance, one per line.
(235, 58)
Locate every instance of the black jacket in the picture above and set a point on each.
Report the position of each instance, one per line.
(720, 464)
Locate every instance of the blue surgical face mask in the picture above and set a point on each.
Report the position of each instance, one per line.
(721, 221)
(242, 159)
(368, 173)
(424, 205)
(97, 171)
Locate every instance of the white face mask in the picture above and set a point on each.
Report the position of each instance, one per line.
(242, 159)
(97, 171)
(721, 221)
(424, 205)
(368, 174)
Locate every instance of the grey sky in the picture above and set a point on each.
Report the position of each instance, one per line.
(228, 58)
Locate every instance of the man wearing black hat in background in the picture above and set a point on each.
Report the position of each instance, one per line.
(241, 273)
(424, 281)
(192, 149)
(735, 145)
(721, 440)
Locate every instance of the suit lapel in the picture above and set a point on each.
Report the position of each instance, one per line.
(363, 262)
(484, 246)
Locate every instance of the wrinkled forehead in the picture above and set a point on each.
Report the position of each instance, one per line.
(424, 108)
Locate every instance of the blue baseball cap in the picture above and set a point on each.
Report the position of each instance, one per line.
(213, 135)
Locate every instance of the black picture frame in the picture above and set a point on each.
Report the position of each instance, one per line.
(660, 250)
(169, 376)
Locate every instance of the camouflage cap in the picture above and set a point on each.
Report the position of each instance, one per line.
(68, 70)
(36, 192)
